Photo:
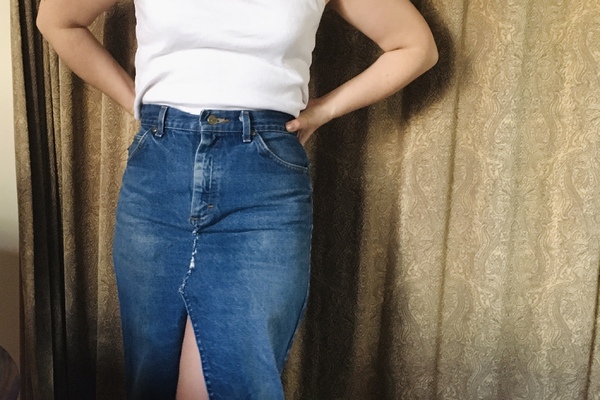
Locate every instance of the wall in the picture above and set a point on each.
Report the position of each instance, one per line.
(9, 246)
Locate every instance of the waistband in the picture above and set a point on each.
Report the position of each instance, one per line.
(161, 117)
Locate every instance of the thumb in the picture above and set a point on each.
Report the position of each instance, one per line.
(293, 125)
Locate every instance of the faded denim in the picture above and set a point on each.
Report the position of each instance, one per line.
(214, 219)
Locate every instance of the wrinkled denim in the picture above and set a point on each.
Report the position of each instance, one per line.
(214, 220)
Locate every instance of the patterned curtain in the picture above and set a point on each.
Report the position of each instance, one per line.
(456, 250)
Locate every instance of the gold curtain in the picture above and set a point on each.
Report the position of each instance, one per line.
(457, 224)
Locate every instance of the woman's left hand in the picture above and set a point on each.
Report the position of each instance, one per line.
(309, 120)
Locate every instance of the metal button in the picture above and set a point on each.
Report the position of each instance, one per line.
(212, 119)
(154, 129)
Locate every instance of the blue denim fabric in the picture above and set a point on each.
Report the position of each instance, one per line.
(214, 220)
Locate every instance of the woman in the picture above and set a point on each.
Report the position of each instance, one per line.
(212, 238)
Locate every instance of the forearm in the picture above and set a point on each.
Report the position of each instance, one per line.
(392, 71)
(398, 28)
(87, 58)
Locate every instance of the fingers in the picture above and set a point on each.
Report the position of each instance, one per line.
(296, 125)
(302, 138)
(302, 134)
(302, 126)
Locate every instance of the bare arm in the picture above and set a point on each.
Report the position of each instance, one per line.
(64, 25)
(409, 50)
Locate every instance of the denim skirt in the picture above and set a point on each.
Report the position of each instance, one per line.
(214, 221)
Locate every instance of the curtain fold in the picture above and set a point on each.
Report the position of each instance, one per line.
(456, 250)
(40, 259)
(70, 147)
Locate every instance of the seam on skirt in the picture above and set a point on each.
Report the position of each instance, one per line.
(190, 313)
(298, 321)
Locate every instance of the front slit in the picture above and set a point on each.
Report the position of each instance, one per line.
(195, 326)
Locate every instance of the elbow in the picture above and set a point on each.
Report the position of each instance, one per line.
(48, 21)
(430, 55)
(41, 21)
(434, 56)
(423, 54)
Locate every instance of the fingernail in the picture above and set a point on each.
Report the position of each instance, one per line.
(288, 127)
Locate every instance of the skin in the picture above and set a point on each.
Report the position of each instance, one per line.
(394, 25)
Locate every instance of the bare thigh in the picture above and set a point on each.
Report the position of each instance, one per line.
(191, 385)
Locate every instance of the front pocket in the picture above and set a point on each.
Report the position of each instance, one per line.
(283, 148)
(137, 142)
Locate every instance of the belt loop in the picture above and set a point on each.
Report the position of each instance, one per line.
(161, 121)
(245, 118)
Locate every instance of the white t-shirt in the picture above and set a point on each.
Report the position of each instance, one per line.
(225, 54)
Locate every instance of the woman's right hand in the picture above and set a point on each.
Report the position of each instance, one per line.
(63, 23)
